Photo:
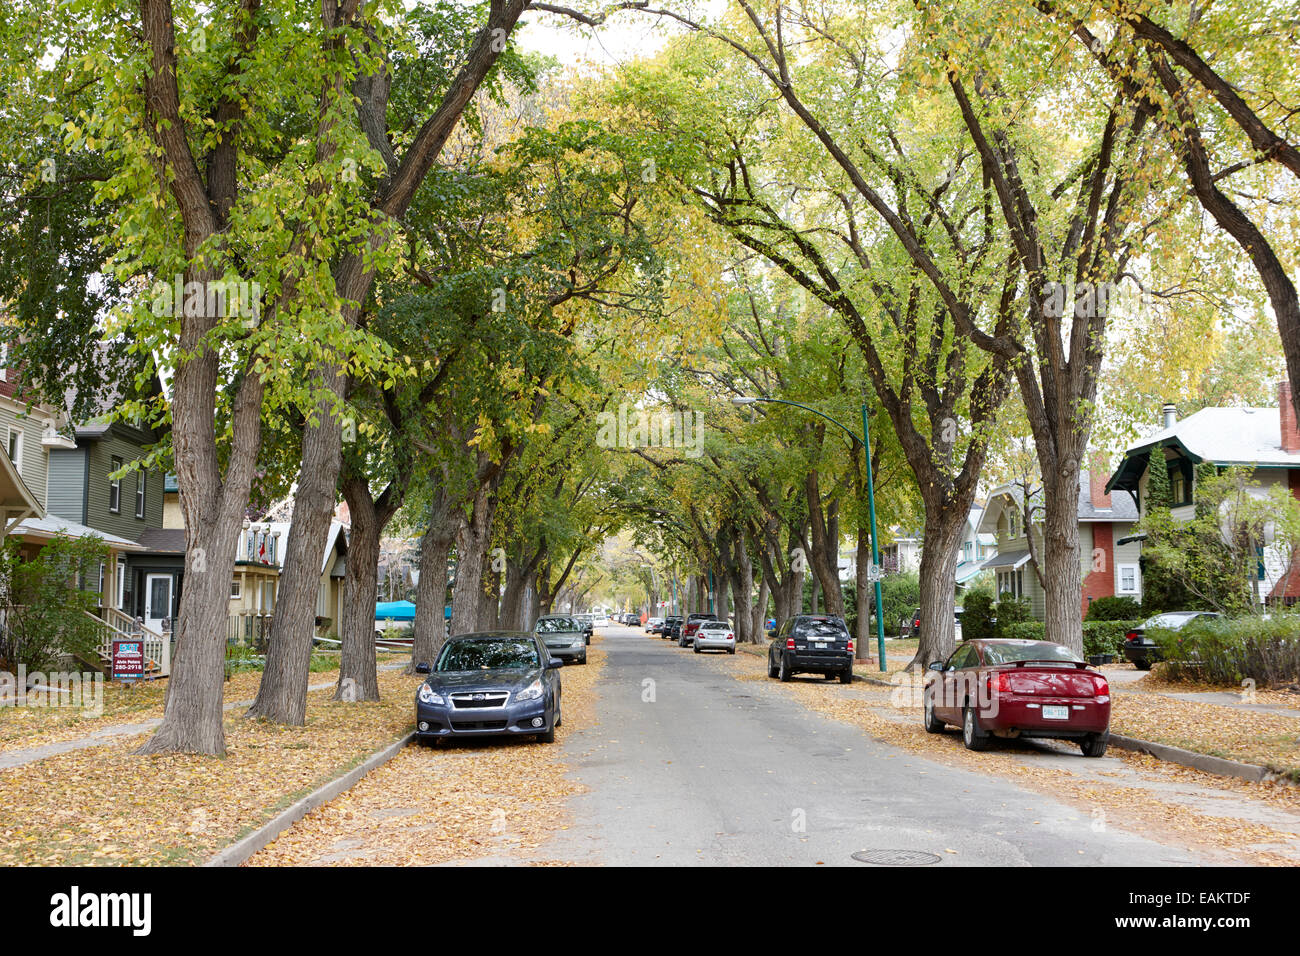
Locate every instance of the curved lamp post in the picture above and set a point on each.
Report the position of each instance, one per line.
(865, 441)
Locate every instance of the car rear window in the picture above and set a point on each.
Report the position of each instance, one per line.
(484, 654)
(822, 627)
(554, 625)
(1039, 651)
(714, 626)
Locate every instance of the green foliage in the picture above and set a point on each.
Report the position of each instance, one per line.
(1160, 493)
(1105, 636)
(1012, 611)
(1230, 650)
(978, 616)
(900, 594)
(1113, 609)
(1021, 631)
(45, 617)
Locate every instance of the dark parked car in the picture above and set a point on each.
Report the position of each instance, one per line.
(811, 644)
(1009, 688)
(1141, 650)
(672, 628)
(495, 682)
(585, 620)
(563, 636)
(693, 621)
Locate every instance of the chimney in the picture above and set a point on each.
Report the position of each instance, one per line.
(1098, 473)
(1286, 417)
(1170, 415)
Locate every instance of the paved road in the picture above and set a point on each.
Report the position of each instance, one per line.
(717, 771)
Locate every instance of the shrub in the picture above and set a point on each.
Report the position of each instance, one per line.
(1229, 650)
(900, 595)
(1021, 631)
(45, 610)
(978, 616)
(1012, 611)
(1105, 636)
(1113, 609)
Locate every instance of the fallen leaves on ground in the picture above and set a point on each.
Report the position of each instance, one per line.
(106, 805)
(497, 798)
(1258, 822)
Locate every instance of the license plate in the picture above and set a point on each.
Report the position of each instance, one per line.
(1056, 713)
(820, 645)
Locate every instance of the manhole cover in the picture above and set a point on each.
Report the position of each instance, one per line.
(896, 857)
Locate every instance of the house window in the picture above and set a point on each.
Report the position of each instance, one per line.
(115, 486)
(1128, 579)
(15, 447)
(139, 494)
(1011, 582)
(236, 590)
(121, 584)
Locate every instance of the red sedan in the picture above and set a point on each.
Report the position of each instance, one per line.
(1015, 689)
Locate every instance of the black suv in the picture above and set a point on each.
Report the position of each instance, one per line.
(672, 628)
(811, 644)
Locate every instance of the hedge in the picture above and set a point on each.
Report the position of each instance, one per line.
(1023, 631)
(1105, 637)
(1230, 650)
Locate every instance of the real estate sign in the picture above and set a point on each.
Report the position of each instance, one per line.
(128, 660)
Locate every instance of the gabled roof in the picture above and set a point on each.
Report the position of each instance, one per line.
(336, 538)
(1122, 507)
(52, 526)
(1224, 436)
(16, 499)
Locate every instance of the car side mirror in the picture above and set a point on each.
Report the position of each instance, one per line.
(936, 665)
(553, 663)
(423, 668)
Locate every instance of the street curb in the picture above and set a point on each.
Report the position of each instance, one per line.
(1188, 758)
(239, 851)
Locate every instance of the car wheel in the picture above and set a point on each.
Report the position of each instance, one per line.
(582, 659)
(933, 725)
(731, 650)
(559, 717)
(971, 735)
(548, 737)
(846, 675)
(1094, 745)
(697, 648)
(771, 668)
(784, 674)
(1142, 665)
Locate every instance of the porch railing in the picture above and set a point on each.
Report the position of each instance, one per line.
(116, 625)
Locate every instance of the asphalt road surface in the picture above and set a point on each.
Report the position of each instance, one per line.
(715, 771)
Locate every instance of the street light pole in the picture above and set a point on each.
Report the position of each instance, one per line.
(865, 440)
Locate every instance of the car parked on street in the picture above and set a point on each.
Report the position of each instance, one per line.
(1141, 651)
(563, 636)
(586, 621)
(654, 625)
(489, 683)
(693, 621)
(672, 628)
(1009, 689)
(811, 644)
(714, 636)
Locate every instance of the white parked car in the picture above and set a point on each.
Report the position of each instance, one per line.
(715, 636)
(653, 625)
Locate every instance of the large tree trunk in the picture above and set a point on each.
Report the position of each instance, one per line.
(1061, 567)
(472, 541)
(757, 632)
(282, 693)
(430, 631)
(825, 550)
(944, 528)
(865, 592)
(358, 673)
(489, 608)
(743, 591)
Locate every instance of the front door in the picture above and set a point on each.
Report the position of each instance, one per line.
(157, 602)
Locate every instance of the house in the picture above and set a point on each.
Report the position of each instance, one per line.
(1266, 439)
(903, 553)
(1108, 568)
(975, 548)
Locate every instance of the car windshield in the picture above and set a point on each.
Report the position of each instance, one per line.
(1174, 621)
(822, 628)
(556, 625)
(1037, 651)
(714, 626)
(487, 653)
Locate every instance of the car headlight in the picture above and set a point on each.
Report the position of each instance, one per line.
(427, 696)
(532, 692)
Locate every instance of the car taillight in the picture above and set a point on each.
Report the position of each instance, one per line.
(850, 647)
(1131, 636)
(730, 636)
(999, 683)
(789, 643)
(1100, 685)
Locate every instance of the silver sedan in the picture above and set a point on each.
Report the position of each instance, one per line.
(715, 636)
